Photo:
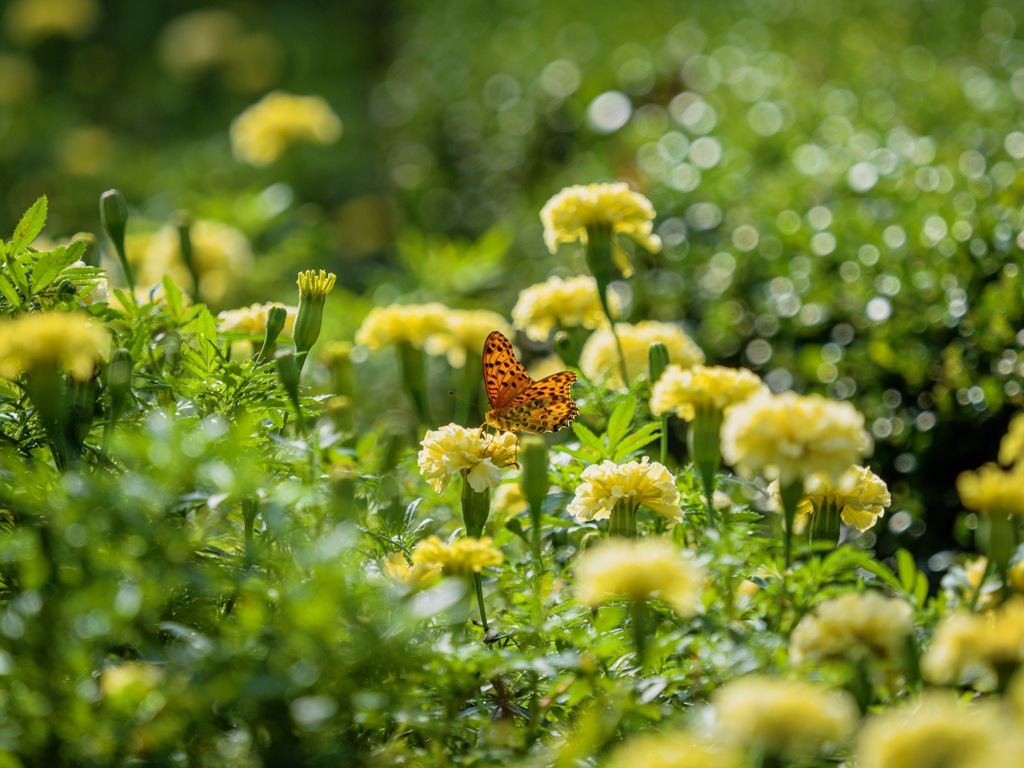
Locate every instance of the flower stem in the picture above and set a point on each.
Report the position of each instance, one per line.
(623, 521)
(478, 582)
(791, 495)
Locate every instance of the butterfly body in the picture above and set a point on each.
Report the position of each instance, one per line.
(518, 403)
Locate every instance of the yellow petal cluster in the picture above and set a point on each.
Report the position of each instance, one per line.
(992, 490)
(860, 495)
(567, 215)
(647, 569)
(221, 255)
(463, 335)
(851, 625)
(939, 731)
(558, 303)
(453, 449)
(398, 570)
(636, 483)
(782, 717)
(253, 319)
(673, 750)
(968, 645)
(409, 324)
(460, 558)
(1011, 447)
(262, 133)
(68, 341)
(600, 357)
(790, 437)
(315, 285)
(699, 387)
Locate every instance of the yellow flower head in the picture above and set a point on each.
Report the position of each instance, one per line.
(464, 333)
(673, 750)
(648, 569)
(409, 324)
(715, 388)
(790, 437)
(636, 483)
(968, 645)
(992, 490)
(68, 341)
(400, 572)
(509, 499)
(253, 319)
(860, 495)
(782, 717)
(1011, 447)
(261, 134)
(315, 285)
(221, 255)
(453, 449)
(567, 215)
(460, 558)
(939, 731)
(29, 21)
(600, 357)
(852, 624)
(561, 303)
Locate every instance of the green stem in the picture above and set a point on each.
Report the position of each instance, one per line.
(664, 440)
(478, 582)
(791, 495)
(642, 623)
(623, 521)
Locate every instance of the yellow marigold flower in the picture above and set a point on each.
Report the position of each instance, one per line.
(509, 499)
(453, 449)
(69, 341)
(253, 319)
(782, 717)
(261, 134)
(544, 307)
(398, 570)
(967, 645)
(567, 215)
(29, 21)
(221, 254)
(992, 490)
(673, 750)
(687, 390)
(1011, 447)
(464, 333)
(852, 624)
(860, 496)
(790, 437)
(409, 324)
(636, 483)
(939, 731)
(600, 356)
(641, 570)
(460, 558)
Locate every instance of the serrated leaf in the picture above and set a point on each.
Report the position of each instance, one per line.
(646, 435)
(48, 267)
(9, 292)
(881, 571)
(588, 438)
(618, 422)
(172, 295)
(28, 228)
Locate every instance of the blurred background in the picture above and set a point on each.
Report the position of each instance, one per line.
(837, 183)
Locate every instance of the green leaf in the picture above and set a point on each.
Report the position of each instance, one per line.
(172, 295)
(646, 435)
(881, 571)
(588, 438)
(9, 292)
(48, 267)
(28, 228)
(618, 422)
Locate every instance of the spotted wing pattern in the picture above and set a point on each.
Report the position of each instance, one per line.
(517, 401)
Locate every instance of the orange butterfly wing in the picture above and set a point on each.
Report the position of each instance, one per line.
(517, 401)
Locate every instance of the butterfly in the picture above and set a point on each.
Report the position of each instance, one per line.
(518, 403)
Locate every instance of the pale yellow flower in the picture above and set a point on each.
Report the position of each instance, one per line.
(673, 750)
(398, 570)
(68, 341)
(860, 496)
(853, 624)
(790, 437)
(699, 387)
(939, 732)
(509, 499)
(463, 335)
(641, 570)
(636, 483)
(567, 215)
(1011, 447)
(558, 303)
(409, 324)
(600, 357)
(782, 717)
(992, 490)
(253, 319)
(970, 645)
(30, 21)
(460, 558)
(453, 449)
(262, 133)
(199, 41)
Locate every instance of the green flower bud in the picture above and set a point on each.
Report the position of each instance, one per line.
(276, 317)
(313, 290)
(657, 361)
(114, 218)
(534, 453)
(119, 380)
